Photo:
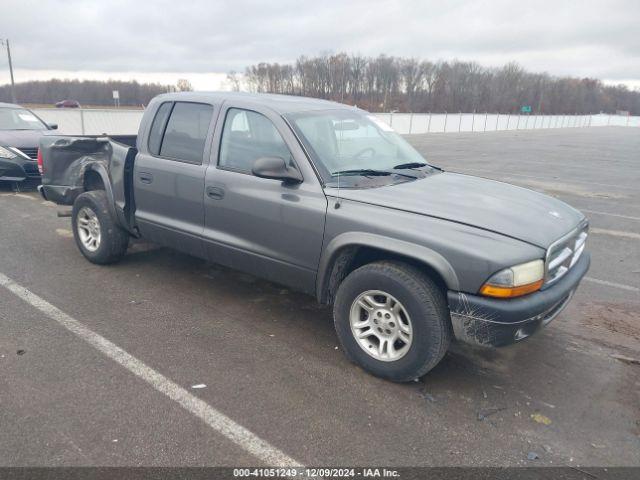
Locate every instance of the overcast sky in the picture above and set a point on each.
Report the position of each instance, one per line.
(202, 40)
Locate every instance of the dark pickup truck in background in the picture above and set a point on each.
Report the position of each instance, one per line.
(326, 199)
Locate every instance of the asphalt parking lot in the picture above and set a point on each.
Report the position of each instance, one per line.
(269, 360)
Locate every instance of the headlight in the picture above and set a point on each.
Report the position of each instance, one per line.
(6, 153)
(515, 281)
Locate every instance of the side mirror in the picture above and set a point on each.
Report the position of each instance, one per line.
(276, 168)
(52, 126)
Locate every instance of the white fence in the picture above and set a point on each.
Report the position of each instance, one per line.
(77, 121)
(414, 123)
(125, 122)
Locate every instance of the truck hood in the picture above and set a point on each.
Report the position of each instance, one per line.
(21, 138)
(487, 204)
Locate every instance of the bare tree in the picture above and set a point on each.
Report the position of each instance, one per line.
(380, 83)
(407, 84)
(233, 80)
(184, 85)
(87, 92)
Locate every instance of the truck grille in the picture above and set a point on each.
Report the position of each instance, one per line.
(31, 169)
(30, 152)
(564, 253)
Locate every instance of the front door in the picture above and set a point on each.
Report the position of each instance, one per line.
(266, 227)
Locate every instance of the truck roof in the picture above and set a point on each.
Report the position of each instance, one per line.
(278, 103)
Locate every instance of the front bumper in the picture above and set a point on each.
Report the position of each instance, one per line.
(18, 169)
(499, 322)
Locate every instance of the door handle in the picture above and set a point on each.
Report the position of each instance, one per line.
(146, 177)
(216, 193)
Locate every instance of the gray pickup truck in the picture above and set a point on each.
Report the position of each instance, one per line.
(327, 199)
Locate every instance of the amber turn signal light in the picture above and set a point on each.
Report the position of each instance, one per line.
(510, 292)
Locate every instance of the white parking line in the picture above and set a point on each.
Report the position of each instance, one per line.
(615, 233)
(212, 417)
(612, 284)
(17, 195)
(627, 217)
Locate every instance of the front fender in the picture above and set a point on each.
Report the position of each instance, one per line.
(420, 253)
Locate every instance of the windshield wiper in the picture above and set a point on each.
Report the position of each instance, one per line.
(362, 171)
(404, 166)
(369, 172)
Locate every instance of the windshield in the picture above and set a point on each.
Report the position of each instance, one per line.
(19, 119)
(354, 142)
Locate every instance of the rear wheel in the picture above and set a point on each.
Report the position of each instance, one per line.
(97, 235)
(392, 320)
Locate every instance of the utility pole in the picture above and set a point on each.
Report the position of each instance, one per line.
(13, 86)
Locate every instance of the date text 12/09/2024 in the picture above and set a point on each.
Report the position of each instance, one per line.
(306, 472)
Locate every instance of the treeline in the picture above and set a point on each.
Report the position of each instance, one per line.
(387, 83)
(87, 92)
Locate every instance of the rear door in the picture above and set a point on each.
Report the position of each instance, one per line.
(266, 227)
(169, 175)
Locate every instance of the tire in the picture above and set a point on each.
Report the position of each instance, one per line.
(112, 240)
(423, 310)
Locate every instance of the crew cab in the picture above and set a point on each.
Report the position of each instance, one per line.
(327, 199)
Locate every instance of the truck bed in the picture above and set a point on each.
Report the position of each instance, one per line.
(70, 162)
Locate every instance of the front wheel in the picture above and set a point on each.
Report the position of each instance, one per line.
(392, 320)
(97, 235)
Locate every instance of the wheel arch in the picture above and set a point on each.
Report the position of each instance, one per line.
(349, 251)
(92, 180)
(96, 177)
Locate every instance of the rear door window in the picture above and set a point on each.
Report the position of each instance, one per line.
(186, 132)
(157, 127)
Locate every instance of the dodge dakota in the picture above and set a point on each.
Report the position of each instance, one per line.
(327, 199)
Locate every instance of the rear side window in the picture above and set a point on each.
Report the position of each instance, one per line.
(185, 132)
(157, 127)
